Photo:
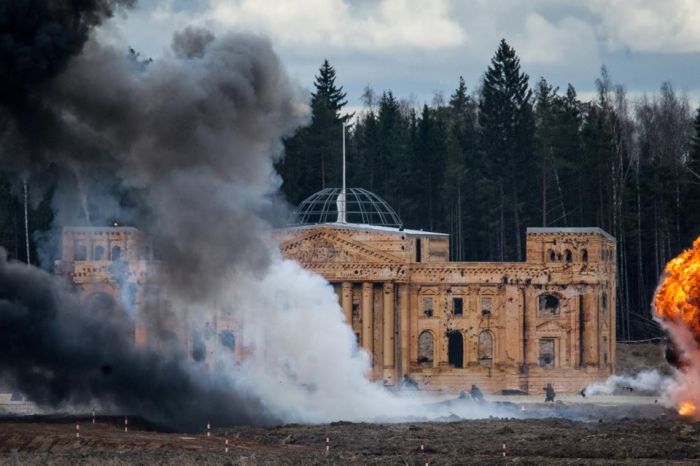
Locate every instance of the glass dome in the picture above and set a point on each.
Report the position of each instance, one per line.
(362, 207)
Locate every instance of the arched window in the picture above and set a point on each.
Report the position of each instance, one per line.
(455, 348)
(603, 301)
(569, 257)
(552, 255)
(548, 305)
(80, 253)
(584, 255)
(99, 253)
(116, 253)
(485, 349)
(227, 339)
(425, 349)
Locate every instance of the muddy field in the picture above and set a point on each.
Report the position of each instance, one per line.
(633, 434)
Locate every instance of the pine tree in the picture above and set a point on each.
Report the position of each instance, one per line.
(461, 173)
(327, 94)
(325, 132)
(313, 154)
(392, 160)
(507, 129)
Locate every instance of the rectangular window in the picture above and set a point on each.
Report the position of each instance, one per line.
(486, 306)
(457, 308)
(428, 307)
(418, 251)
(547, 353)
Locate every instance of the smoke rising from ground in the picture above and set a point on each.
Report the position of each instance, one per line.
(651, 381)
(61, 352)
(189, 141)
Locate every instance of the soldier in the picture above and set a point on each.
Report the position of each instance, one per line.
(476, 393)
(549, 393)
(408, 382)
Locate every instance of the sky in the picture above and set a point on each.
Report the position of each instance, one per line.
(419, 48)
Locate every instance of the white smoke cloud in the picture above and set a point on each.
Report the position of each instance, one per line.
(651, 381)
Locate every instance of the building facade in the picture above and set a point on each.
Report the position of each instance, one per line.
(512, 326)
(504, 326)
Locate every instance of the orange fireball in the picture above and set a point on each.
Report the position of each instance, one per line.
(687, 408)
(678, 297)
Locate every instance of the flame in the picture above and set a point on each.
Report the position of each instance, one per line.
(678, 297)
(687, 408)
(677, 306)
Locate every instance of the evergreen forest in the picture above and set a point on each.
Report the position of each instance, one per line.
(511, 153)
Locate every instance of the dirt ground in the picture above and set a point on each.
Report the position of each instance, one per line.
(598, 430)
(633, 434)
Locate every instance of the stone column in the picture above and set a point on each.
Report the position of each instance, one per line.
(388, 335)
(404, 328)
(591, 334)
(367, 324)
(346, 300)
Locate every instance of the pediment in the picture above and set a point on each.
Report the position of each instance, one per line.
(550, 326)
(322, 247)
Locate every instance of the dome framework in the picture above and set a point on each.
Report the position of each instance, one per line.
(362, 207)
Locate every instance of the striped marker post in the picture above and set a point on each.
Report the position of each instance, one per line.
(504, 448)
(93, 415)
(226, 448)
(126, 424)
(208, 429)
(328, 444)
(77, 430)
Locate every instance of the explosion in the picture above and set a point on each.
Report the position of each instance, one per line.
(677, 306)
(678, 298)
(687, 408)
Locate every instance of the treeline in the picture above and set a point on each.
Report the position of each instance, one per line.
(484, 165)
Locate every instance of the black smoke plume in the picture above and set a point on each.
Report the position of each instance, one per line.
(191, 139)
(61, 352)
(37, 40)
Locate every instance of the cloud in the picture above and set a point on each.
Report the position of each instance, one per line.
(387, 24)
(542, 41)
(416, 48)
(668, 26)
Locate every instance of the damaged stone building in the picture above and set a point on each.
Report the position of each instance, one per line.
(512, 326)
(503, 326)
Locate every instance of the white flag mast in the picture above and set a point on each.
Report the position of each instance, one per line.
(341, 202)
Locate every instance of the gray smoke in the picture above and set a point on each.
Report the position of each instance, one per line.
(190, 42)
(61, 352)
(196, 138)
(183, 147)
